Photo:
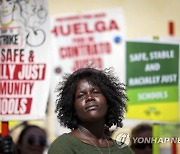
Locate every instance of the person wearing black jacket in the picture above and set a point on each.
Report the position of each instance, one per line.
(7, 145)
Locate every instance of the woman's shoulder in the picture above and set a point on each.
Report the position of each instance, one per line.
(62, 139)
(61, 143)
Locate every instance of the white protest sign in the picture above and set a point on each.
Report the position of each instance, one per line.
(82, 39)
(24, 59)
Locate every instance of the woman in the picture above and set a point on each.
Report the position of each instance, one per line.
(89, 102)
(32, 140)
(142, 131)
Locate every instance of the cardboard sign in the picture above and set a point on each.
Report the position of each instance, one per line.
(94, 38)
(152, 77)
(24, 60)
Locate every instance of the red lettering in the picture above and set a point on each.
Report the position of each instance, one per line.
(55, 31)
(87, 29)
(81, 28)
(85, 49)
(77, 28)
(100, 15)
(65, 32)
(100, 26)
(12, 55)
(113, 25)
(98, 62)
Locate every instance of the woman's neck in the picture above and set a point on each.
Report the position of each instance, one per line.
(92, 130)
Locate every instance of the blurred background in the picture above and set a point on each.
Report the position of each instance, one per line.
(142, 20)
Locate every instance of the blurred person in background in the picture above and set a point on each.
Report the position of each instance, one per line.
(89, 102)
(32, 140)
(138, 143)
(7, 145)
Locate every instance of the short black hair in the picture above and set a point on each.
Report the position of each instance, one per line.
(113, 90)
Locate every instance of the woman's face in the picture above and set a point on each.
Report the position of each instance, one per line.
(90, 103)
(33, 142)
(6, 7)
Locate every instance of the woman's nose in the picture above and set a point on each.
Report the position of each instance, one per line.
(89, 97)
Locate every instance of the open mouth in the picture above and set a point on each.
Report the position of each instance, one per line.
(92, 107)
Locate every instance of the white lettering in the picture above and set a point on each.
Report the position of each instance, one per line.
(152, 95)
(136, 57)
(152, 67)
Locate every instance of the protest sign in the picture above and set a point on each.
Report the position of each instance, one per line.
(152, 77)
(92, 38)
(25, 59)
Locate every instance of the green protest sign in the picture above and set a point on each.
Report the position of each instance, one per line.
(152, 80)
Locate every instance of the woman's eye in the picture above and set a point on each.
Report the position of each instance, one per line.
(95, 91)
(80, 95)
